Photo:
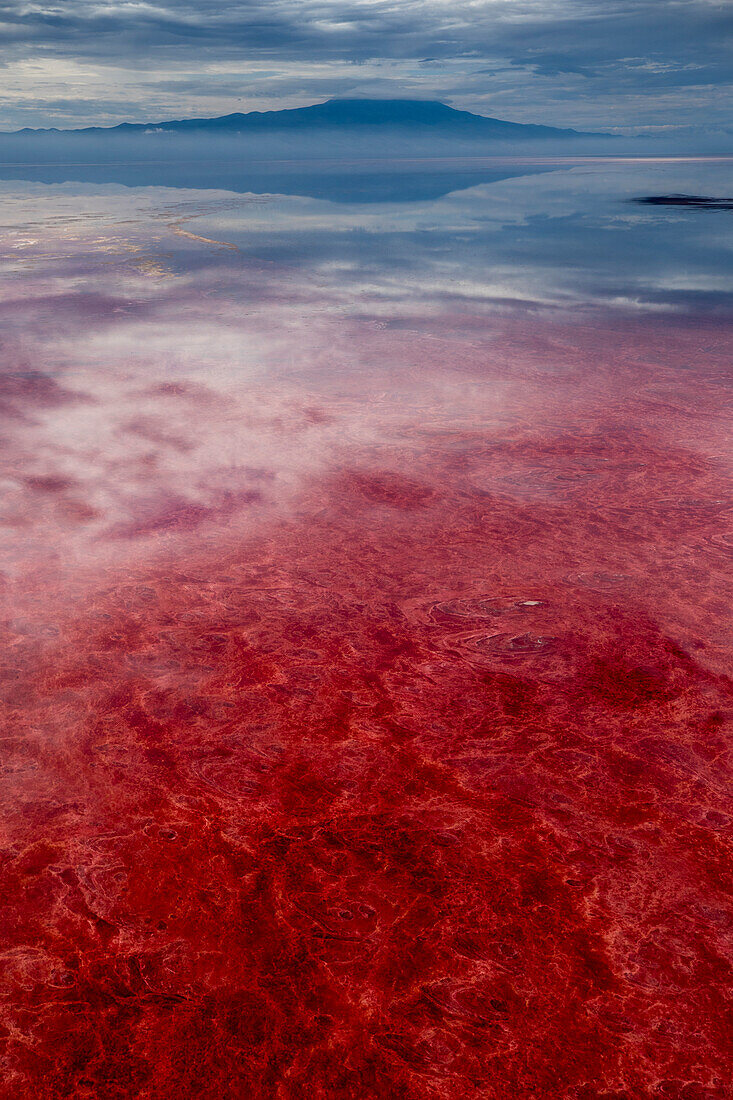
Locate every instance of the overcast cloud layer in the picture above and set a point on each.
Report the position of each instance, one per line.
(624, 65)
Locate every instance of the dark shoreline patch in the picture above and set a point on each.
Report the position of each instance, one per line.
(701, 202)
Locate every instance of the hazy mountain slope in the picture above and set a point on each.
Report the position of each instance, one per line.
(344, 114)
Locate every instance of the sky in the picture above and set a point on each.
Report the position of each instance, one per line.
(628, 66)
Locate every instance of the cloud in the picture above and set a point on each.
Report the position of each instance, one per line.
(277, 50)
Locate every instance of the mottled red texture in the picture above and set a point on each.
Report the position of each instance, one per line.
(422, 791)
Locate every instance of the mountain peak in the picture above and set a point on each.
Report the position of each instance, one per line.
(355, 113)
(341, 114)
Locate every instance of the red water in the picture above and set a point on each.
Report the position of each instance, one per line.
(396, 762)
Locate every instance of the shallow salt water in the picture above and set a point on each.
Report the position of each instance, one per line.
(365, 580)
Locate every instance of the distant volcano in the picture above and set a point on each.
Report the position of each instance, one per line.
(366, 150)
(415, 115)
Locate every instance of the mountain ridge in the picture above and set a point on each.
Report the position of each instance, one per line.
(338, 114)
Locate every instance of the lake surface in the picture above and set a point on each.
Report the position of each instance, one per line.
(365, 567)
